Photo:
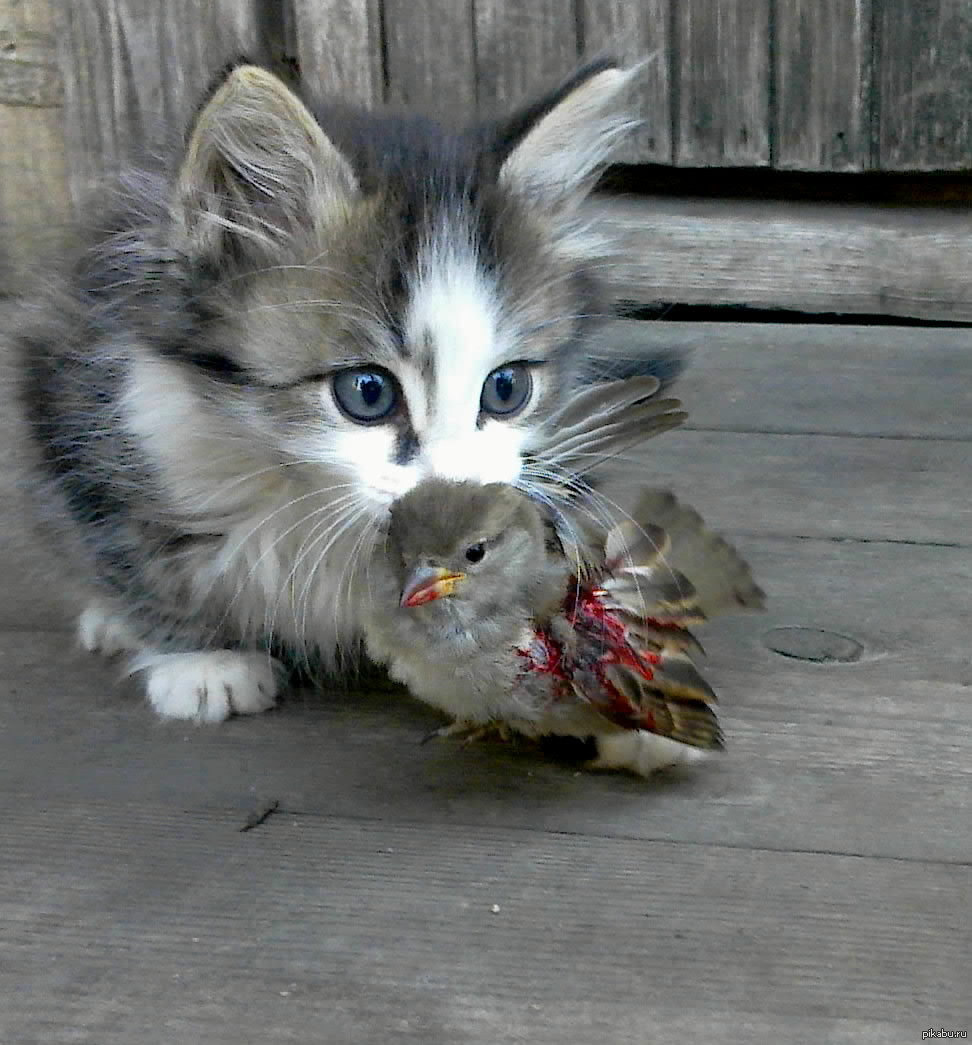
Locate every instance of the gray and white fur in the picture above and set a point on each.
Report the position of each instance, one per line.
(261, 349)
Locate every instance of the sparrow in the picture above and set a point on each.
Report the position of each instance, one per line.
(478, 610)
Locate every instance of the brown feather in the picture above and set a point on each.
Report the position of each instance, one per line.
(598, 402)
(607, 418)
(629, 543)
(641, 594)
(721, 578)
(685, 719)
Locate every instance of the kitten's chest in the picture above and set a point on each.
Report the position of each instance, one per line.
(285, 577)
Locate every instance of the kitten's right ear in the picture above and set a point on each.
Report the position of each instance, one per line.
(257, 167)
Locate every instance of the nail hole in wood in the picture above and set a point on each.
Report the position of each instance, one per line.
(814, 644)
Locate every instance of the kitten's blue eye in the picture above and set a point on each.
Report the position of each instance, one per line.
(365, 395)
(506, 390)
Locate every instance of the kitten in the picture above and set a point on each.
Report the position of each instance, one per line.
(258, 354)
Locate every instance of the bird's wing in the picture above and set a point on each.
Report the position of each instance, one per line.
(665, 561)
(638, 674)
(605, 419)
(675, 703)
(669, 698)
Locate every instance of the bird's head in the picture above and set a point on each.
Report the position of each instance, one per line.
(465, 541)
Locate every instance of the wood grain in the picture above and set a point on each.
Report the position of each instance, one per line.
(637, 32)
(822, 486)
(521, 48)
(28, 62)
(810, 257)
(900, 382)
(925, 84)
(823, 85)
(430, 56)
(136, 69)
(34, 209)
(723, 69)
(326, 929)
(339, 48)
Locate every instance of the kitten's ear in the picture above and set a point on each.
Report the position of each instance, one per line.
(257, 167)
(557, 147)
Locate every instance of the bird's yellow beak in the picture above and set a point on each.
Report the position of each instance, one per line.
(428, 583)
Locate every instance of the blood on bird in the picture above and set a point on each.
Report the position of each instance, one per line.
(586, 612)
(545, 656)
(588, 616)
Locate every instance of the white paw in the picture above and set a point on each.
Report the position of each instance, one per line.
(641, 752)
(209, 687)
(101, 631)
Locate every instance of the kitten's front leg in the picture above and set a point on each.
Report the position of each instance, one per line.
(202, 686)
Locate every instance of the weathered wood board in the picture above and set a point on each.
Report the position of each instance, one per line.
(723, 83)
(637, 32)
(339, 48)
(430, 57)
(924, 85)
(809, 257)
(822, 69)
(897, 382)
(34, 205)
(829, 86)
(326, 929)
(834, 85)
(520, 47)
(135, 71)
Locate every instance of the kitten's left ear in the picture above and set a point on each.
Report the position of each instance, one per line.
(258, 167)
(556, 148)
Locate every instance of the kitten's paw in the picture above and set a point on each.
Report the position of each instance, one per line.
(101, 631)
(641, 752)
(210, 686)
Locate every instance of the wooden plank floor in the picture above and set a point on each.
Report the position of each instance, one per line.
(813, 886)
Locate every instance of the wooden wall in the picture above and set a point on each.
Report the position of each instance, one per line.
(811, 85)
(134, 70)
(792, 85)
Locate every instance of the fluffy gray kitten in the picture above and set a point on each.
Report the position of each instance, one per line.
(259, 352)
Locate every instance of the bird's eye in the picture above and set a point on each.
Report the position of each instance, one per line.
(475, 552)
(506, 390)
(366, 395)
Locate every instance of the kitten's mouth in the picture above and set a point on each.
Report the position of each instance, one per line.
(428, 583)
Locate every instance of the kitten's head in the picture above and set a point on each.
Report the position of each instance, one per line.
(385, 297)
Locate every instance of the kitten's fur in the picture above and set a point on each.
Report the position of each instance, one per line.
(184, 442)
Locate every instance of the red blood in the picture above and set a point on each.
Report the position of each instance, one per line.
(545, 656)
(588, 616)
(587, 613)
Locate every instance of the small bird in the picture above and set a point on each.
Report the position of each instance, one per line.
(478, 610)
